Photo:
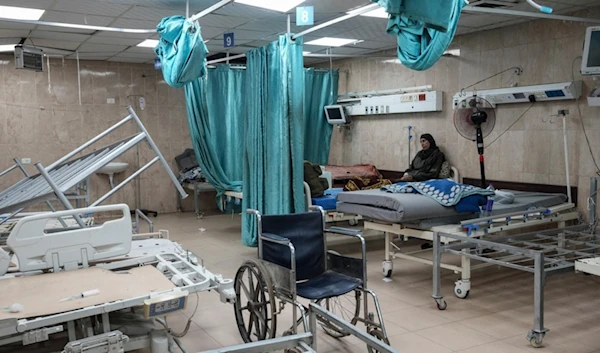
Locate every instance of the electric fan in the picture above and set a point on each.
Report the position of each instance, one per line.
(474, 119)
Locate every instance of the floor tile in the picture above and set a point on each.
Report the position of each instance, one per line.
(456, 336)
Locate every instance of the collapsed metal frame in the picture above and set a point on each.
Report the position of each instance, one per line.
(307, 342)
(542, 253)
(54, 181)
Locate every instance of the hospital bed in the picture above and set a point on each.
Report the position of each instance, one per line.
(56, 180)
(129, 286)
(417, 216)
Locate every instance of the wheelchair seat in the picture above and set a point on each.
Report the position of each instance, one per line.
(327, 285)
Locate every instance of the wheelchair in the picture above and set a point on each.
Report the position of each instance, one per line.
(293, 262)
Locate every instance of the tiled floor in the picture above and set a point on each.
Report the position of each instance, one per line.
(494, 319)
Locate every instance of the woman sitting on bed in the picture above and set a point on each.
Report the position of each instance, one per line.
(427, 163)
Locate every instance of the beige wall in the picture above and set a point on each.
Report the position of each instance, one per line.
(44, 122)
(531, 151)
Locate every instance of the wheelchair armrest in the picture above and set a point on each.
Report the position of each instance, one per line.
(344, 231)
(274, 238)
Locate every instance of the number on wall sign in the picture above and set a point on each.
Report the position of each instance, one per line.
(228, 41)
(305, 16)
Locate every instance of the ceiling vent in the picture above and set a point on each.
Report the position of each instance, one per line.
(494, 4)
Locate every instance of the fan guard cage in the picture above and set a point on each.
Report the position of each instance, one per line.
(462, 117)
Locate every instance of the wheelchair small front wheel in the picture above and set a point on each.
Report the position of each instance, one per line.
(255, 302)
(379, 335)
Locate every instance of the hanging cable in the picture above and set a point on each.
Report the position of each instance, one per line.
(582, 124)
(511, 125)
(517, 69)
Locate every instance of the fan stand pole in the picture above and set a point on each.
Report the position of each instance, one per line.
(481, 158)
(564, 121)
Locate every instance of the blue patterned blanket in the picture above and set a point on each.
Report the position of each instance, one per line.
(445, 191)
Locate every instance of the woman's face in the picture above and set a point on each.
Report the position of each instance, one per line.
(425, 144)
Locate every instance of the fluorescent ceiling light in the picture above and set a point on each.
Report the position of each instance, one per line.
(148, 43)
(452, 52)
(379, 13)
(331, 42)
(20, 13)
(7, 47)
(305, 52)
(275, 5)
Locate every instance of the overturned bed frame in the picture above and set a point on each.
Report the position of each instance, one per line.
(55, 181)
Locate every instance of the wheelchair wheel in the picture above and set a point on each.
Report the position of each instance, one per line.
(255, 302)
(346, 307)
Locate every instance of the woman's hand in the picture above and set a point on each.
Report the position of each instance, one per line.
(406, 177)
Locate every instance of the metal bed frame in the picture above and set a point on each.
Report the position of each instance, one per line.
(54, 181)
(474, 228)
(541, 253)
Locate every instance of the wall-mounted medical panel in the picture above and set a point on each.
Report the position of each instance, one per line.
(417, 102)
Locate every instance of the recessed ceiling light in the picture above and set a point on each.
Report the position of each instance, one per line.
(275, 5)
(7, 47)
(20, 13)
(148, 43)
(379, 13)
(331, 42)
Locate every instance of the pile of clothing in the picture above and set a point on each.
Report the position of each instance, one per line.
(192, 175)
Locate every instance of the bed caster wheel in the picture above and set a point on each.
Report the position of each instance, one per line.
(387, 268)
(353, 222)
(462, 289)
(441, 304)
(535, 339)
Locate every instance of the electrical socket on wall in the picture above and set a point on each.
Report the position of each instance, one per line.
(563, 112)
(25, 160)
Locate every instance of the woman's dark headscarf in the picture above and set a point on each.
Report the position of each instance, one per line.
(432, 147)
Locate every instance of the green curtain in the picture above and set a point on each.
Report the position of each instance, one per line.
(321, 90)
(215, 112)
(274, 134)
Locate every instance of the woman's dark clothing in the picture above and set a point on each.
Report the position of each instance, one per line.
(427, 163)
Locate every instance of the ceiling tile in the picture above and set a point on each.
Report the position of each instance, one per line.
(15, 25)
(69, 37)
(77, 18)
(149, 13)
(99, 48)
(211, 32)
(366, 33)
(32, 4)
(10, 40)
(243, 10)
(52, 43)
(13, 33)
(260, 25)
(137, 24)
(113, 40)
(223, 21)
(63, 30)
(91, 7)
